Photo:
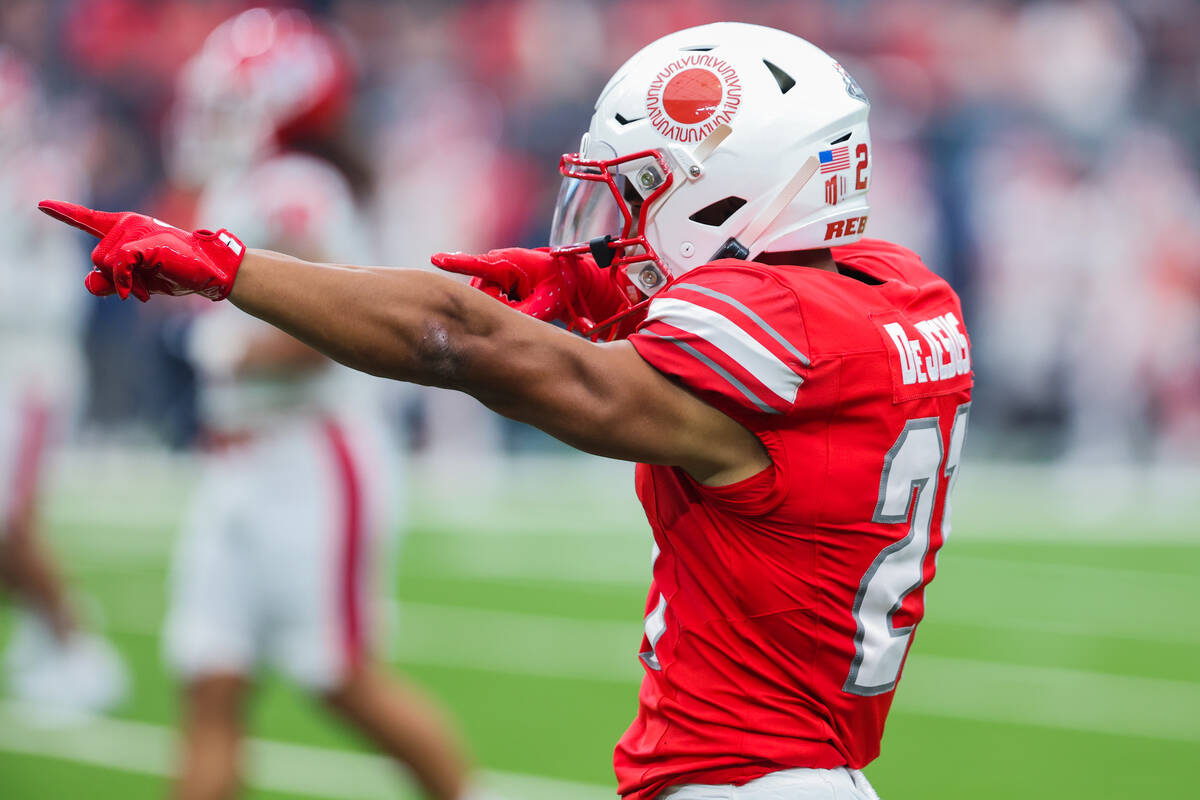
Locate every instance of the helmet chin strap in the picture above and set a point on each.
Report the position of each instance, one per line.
(741, 246)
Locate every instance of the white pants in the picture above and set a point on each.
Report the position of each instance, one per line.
(789, 784)
(275, 560)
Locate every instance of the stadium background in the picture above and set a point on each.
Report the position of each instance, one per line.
(1041, 155)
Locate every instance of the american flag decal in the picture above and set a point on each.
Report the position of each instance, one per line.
(834, 160)
(835, 189)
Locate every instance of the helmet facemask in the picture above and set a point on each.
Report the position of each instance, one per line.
(603, 210)
(585, 218)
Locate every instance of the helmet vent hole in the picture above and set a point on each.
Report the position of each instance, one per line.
(621, 120)
(700, 48)
(784, 80)
(716, 214)
(841, 138)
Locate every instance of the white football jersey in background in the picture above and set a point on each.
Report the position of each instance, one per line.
(41, 312)
(293, 522)
(299, 203)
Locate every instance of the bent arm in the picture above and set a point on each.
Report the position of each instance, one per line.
(416, 326)
(272, 352)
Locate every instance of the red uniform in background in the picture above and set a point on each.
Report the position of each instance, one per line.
(782, 607)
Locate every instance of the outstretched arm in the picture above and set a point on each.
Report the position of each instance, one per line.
(415, 326)
(424, 328)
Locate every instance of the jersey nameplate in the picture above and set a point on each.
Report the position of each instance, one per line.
(929, 356)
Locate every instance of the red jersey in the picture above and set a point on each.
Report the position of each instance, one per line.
(783, 606)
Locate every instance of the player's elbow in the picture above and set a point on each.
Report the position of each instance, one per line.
(439, 353)
(447, 345)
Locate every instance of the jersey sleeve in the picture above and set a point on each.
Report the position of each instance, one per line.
(733, 335)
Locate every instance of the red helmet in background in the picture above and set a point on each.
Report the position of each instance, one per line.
(262, 78)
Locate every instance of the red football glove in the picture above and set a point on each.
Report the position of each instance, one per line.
(141, 256)
(570, 289)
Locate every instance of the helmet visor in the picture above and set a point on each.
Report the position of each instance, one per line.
(585, 209)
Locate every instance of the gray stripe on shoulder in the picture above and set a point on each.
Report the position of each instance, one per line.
(715, 367)
(740, 306)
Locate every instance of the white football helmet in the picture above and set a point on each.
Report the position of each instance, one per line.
(261, 78)
(723, 140)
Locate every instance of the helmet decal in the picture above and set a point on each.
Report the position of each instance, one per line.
(852, 87)
(690, 97)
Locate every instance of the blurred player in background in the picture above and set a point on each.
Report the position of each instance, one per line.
(52, 665)
(796, 396)
(291, 528)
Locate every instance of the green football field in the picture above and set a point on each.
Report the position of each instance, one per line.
(1060, 657)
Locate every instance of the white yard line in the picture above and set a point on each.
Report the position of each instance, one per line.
(1063, 598)
(1055, 571)
(1152, 630)
(293, 769)
(1051, 697)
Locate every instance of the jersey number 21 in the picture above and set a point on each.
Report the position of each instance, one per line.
(908, 492)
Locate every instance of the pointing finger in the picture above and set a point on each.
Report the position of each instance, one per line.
(477, 266)
(97, 223)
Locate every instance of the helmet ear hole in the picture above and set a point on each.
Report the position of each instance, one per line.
(716, 214)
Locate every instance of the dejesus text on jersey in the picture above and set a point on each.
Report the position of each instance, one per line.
(928, 356)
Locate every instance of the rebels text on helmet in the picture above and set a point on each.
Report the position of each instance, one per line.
(692, 95)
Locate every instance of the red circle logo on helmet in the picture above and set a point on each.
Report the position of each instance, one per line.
(692, 95)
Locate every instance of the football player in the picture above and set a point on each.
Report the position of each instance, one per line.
(53, 665)
(796, 396)
(290, 527)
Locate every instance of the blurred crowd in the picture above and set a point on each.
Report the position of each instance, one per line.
(1041, 155)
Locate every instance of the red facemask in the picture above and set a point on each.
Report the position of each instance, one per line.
(616, 251)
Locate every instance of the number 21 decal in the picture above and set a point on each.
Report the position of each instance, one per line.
(908, 493)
